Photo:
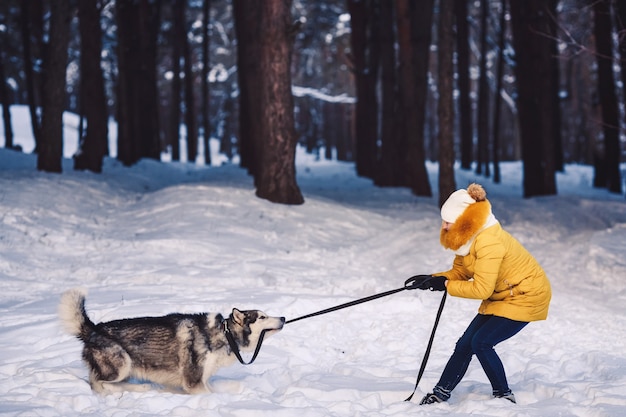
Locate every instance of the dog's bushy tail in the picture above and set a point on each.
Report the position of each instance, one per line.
(73, 316)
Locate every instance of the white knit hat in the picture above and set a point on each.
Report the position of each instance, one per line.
(459, 200)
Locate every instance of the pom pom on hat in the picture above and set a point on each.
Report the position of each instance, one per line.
(477, 192)
(459, 200)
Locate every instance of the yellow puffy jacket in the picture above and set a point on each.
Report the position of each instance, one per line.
(502, 273)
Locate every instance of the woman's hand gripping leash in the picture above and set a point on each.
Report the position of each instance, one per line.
(426, 282)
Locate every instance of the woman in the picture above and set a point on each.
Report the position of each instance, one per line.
(492, 266)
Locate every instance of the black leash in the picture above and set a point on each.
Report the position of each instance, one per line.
(430, 345)
(409, 285)
(350, 304)
(235, 348)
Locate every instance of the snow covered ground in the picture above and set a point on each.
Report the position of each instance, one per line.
(159, 238)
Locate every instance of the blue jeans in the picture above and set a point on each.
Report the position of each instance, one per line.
(483, 333)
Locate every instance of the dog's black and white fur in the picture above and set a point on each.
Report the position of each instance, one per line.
(178, 351)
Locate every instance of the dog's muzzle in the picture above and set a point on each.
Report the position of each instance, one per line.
(282, 323)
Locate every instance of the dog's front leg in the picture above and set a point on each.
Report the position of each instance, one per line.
(195, 376)
(209, 368)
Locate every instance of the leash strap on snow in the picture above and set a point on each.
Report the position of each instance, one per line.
(235, 348)
(430, 345)
(350, 304)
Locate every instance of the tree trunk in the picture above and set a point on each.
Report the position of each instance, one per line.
(463, 69)
(606, 90)
(620, 12)
(277, 173)
(445, 107)
(178, 37)
(94, 146)
(138, 118)
(126, 144)
(247, 27)
(226, 144)
(55, 63)
(150, 18)
(390, 164)
(190, 102)
(497, 105)
(414, 35)
(305, 124)
(206, 98)
(620, 9)
(31, 18)
(557, 136)
(482, 159)
(344, 120)
(533, 72)
(5, 100)
(365, 61)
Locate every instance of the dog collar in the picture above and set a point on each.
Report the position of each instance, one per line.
(235, 348)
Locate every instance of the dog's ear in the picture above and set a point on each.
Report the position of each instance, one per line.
(238, 316)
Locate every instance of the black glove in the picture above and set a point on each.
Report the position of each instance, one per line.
(434, 284)
(416, 282)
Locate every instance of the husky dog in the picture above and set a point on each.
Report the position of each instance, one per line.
(178, 351)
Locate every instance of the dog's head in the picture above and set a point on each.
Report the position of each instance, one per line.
(248, 325)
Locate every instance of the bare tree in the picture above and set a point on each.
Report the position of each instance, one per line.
(497, 105)
(445, 106)
(5, 101)
(533, 73)
(557, 136)
(247, 15)
(191, 122)
(606, 90)
(226, 140)
(620, 10)
(177, 39)
(206, 98)
(620, 19)
(55, 63)
(277, 168)
(31, 24)
(94, 146)
(482, 156)
(463, 70)
(390, 163)
(414, 35)
(137, 112)
(365, 61)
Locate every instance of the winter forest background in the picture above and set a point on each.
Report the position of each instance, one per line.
(384, 104)
(389, 85)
